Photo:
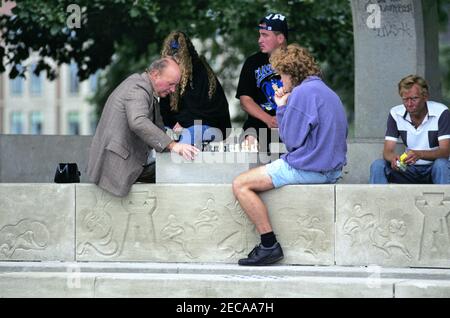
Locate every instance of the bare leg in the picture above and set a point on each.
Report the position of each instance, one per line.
(245, 188)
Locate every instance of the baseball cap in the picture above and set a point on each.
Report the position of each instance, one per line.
(275, 22)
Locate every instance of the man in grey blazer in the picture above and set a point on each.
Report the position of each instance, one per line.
(131, 126)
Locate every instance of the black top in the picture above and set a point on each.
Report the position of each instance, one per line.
(196, 104)
(256, 81)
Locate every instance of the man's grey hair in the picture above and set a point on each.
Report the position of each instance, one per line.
(160, 64)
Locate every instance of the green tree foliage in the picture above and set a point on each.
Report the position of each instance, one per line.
(443, 12)
(123, 36)
(444, 59)
(41, 26)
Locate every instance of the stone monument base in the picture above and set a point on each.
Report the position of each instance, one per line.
(185, 240)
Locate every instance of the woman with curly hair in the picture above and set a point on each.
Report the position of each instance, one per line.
(313, 126)
(198, 97)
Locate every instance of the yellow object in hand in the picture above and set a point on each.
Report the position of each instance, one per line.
(403, 157)
(401, 162)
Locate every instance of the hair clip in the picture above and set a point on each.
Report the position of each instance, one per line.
(174, 45)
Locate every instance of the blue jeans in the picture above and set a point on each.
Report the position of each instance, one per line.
(436, 173)
(196, 134)
(282, 174)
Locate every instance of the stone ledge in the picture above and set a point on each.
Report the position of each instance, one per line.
(351, 225)
(183, 286)
(366, 272)
(423, 289)
(48, 151)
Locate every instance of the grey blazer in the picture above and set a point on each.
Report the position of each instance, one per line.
(130, 126)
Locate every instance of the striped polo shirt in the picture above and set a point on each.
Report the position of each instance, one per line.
(435, 127)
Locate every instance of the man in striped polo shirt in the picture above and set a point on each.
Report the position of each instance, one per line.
(424, 127)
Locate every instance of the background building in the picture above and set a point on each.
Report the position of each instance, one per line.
(35, 105)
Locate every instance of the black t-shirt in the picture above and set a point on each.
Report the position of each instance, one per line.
(257, 80)
(196, 104)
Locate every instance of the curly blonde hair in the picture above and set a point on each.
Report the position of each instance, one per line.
(178, 45)
(295, 61)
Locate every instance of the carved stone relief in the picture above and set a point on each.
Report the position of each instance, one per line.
(435, 237)
(381, 229)
(27, 235)
(400, 227)
(137, 226)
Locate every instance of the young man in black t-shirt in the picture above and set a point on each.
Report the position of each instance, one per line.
(258, 79)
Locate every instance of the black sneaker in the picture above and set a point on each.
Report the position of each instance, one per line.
(261, 255)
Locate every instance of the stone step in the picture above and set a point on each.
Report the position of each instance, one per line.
(211, 280)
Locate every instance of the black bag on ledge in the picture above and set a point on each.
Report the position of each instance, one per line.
(67, 173)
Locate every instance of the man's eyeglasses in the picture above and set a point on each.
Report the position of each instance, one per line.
(414, 99)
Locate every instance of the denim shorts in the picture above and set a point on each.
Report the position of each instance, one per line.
(282, 174)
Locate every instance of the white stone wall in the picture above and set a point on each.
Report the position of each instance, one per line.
(349, 225)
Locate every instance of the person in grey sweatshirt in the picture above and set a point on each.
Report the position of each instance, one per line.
(313, 126)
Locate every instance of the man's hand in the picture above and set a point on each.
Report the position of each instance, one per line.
(394, 162)
(255, 110)
(412, 158)
(188, 152)
(271, 122)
